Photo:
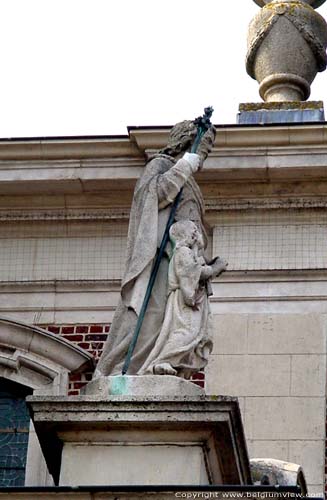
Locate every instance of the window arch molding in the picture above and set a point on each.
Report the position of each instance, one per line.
(41, 361)
(37, 358)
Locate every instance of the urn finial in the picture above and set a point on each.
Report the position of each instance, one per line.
(314, 3)
(287, 43)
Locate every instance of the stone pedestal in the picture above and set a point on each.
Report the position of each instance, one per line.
(142, 441)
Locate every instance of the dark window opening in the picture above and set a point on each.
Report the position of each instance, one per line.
(14, 429)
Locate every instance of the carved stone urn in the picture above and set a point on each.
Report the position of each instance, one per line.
(287, 43)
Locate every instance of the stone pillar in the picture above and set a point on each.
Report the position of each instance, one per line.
(287, 43)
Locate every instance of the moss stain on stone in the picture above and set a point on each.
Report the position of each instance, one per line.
(118, 386)
(277, 106)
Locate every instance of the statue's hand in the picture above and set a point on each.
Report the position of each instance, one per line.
(189, 301)
(218, 266)
(206, 144)
(194, 161)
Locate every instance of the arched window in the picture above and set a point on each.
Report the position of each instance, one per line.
(32, 360)
(14, 431)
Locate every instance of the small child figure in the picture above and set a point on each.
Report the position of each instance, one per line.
(184, 342)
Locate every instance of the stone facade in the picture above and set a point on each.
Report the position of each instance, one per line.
(265, 192)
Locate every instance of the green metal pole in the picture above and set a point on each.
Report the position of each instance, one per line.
(203, 123)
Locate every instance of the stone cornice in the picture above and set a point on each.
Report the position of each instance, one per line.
(78, 166)
(231, 137)
(144, 139)
(67, 148)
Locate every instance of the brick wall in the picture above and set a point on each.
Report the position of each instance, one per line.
(91, 338)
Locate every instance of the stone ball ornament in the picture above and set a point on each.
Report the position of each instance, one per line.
(287, 42)
(314, 3)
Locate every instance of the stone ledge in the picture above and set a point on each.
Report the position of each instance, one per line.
(142, 385)
(159, 420)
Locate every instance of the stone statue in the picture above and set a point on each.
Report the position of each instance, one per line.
(184, 342)
(164, 175)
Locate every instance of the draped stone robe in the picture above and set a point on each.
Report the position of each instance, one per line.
(154, 193)
(184, 342)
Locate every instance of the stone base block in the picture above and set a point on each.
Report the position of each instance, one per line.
(139, 463)
(148, 385)
(142, 441)
(281, 112)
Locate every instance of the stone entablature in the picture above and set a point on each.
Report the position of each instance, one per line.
(82, 168)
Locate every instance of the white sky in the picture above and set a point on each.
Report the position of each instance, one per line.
(93, 67)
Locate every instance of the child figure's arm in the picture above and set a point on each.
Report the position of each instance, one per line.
(217, 265)
(206, 272)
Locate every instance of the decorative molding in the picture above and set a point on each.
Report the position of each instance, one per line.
(212, 206)
(67, 148)
(269, 298)
(242, 153)
(62, 215)
(263, 204)
(232, 137)
(37, 347)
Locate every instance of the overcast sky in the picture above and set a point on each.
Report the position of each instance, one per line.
(90, 67)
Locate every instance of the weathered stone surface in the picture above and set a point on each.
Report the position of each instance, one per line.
(311, 456)
(250, 375)
(147, 463)
(281, 112)
(287, 424)
(150, 385)
(286, 49)
(286, 333)
(276, 448)
(308, 375)
(207, 430)
(275, 472)
(314, 3)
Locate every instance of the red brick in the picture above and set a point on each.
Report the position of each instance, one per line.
(96, 328)
(74, 377)
(74, 338)
(100, 337)
(198, 376)
(82, 329)
(84, 345)
(79, 385)
(73, 393)
(67, 329)
(107, 328)
(53, 329)
(97, 345)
